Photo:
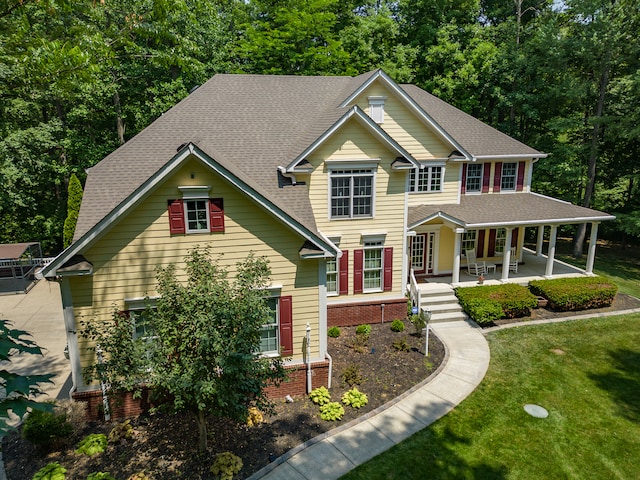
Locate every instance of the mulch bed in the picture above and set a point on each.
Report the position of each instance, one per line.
(165, 446)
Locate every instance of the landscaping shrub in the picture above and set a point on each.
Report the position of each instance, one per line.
(226, 465)
(92, 444)
(360, 342)
(355, 398)
(122, 431)
(419, 322)
(364, 329)
(320, 396)
(514, 300)
(579, 293)
(333, 332)
(46, 428)
(254, 417)
(483, 311)
(76, 413)
(352, 376)
(402, 345)
(397, 325)
(101, 476)
(51, 471)
(331, 411)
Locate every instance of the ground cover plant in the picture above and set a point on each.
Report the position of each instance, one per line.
(578, 293)
(584, 373)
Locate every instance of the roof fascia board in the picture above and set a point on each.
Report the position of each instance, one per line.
(424, 116)
(511, 157)
(543, 221)
(139, 194)
(363, 119)
(433, 216)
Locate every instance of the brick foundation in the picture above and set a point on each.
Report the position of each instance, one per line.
(357, 313)
(123, 405)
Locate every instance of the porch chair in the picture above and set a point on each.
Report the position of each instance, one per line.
(474, 267)
(513, 261)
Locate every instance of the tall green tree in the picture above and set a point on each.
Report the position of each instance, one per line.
(74, 199)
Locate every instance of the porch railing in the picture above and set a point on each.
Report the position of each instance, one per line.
(414, 290)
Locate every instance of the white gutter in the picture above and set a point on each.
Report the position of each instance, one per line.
(290, 175)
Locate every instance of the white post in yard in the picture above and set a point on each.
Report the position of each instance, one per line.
(427, 317)
(309, 383)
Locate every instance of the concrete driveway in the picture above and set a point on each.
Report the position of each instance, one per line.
(40, 313)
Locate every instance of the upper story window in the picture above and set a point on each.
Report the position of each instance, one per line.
(351, 193)
(509, 176)
(426, 179)
(376, 109)
(195, 212)
(474, 177)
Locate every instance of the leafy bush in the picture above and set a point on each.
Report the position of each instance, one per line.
(51, 471)
(226, 465)
(351, 375)
(122, 431)
(397, 325)
(419, 322)
(254, 417)
(76, 413)
(92, 444)
(333, 332)
(364, 329)
(355, 398)
(46, 428)
(515, 300)
(402, 345)
(101, 476)
(360, 342)
(579, 293)
(320, 396)
(331, 411)
(483, 311)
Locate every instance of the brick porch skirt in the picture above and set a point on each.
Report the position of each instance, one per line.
(123, 405)
(357, 313)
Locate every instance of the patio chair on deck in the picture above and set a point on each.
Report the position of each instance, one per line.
(513, 261)
(474, 267)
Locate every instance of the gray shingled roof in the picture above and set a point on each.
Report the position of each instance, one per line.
(251, 124)
(507, 209)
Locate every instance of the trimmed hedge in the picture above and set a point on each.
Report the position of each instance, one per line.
(578, 293)
(485, 304)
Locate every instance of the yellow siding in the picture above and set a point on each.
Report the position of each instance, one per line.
(125, 258)
(450, 188)
(404, 126)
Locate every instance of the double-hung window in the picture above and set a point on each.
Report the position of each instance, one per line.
(469, 239)
(501, 238)
(509, 176)
(332, 276)
(276, 333)
(426, 179)
(351, 193)
(474, 177)
(372, 271)
(195, 212)
(269, 338)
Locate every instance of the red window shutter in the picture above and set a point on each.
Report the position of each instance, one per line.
(463, 188)
(176, 217)
(286, 325)
(343, 282)
(514, 238)
(486, 177)
(216, 215)
(480, 245)
(520, 184)
(388, 269)
(497, 177)
(492, 243)
(358, 266)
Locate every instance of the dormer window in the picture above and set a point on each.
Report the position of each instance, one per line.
(195, 212)
(376, 108)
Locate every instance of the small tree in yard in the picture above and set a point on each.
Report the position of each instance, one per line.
(18, 390)
(208, 334)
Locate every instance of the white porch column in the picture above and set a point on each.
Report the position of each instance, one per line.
(455, 274)
(506, 254)
(552, 251)
(72, 336)
(593, 240)
(540, 241)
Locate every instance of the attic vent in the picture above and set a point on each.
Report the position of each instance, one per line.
(376, 108)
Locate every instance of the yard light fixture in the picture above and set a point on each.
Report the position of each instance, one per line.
(427, 317)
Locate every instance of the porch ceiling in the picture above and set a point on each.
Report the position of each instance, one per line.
(508, 209)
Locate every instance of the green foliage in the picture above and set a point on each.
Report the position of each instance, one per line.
(355, 398)
(74, 199)
(402, 345)
(419, 322)
(579, 293)
(18, 390)
(122, 431)
(226, 465)
(331, 411)
(483, 310)
(254, 417)
(92, 444)
(46, 428)
(397, 325)
(51, 471)
(320, 396)
(364, 329)
(100, 476)
(352, 375)
(514, 300)
(333, 332)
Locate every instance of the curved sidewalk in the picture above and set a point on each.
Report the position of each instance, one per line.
(331, 455)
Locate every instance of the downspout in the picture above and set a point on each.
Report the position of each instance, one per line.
(291, 176)
(330, 369)
(309, 385)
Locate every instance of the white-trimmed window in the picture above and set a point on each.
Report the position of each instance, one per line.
(509, 176)
(426, 179)
(372, 269)
(333, 276)
(195, 212)
(352, 193)
(501, 238)
(269, 333)
(474, 177)
(197, 215)
(469, 240)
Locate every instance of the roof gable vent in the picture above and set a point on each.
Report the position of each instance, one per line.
(376, 108)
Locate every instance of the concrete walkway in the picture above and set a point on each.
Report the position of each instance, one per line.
(331, 455)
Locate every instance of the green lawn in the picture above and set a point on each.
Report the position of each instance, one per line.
(585, 373)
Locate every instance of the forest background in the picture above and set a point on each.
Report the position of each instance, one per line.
(79, 78)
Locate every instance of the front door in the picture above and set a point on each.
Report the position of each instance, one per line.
(422, 249)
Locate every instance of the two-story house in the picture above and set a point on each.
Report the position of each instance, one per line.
(346, 184)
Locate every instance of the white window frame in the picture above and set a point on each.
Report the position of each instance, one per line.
(501, 240)
(469, 240)
(351, 174)
(333, 273)
(478, 177)
(187, 210)
(510, 177)
(369, 247)
(195, 194)
(272, 293)
(421, 179)
(376, 109)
